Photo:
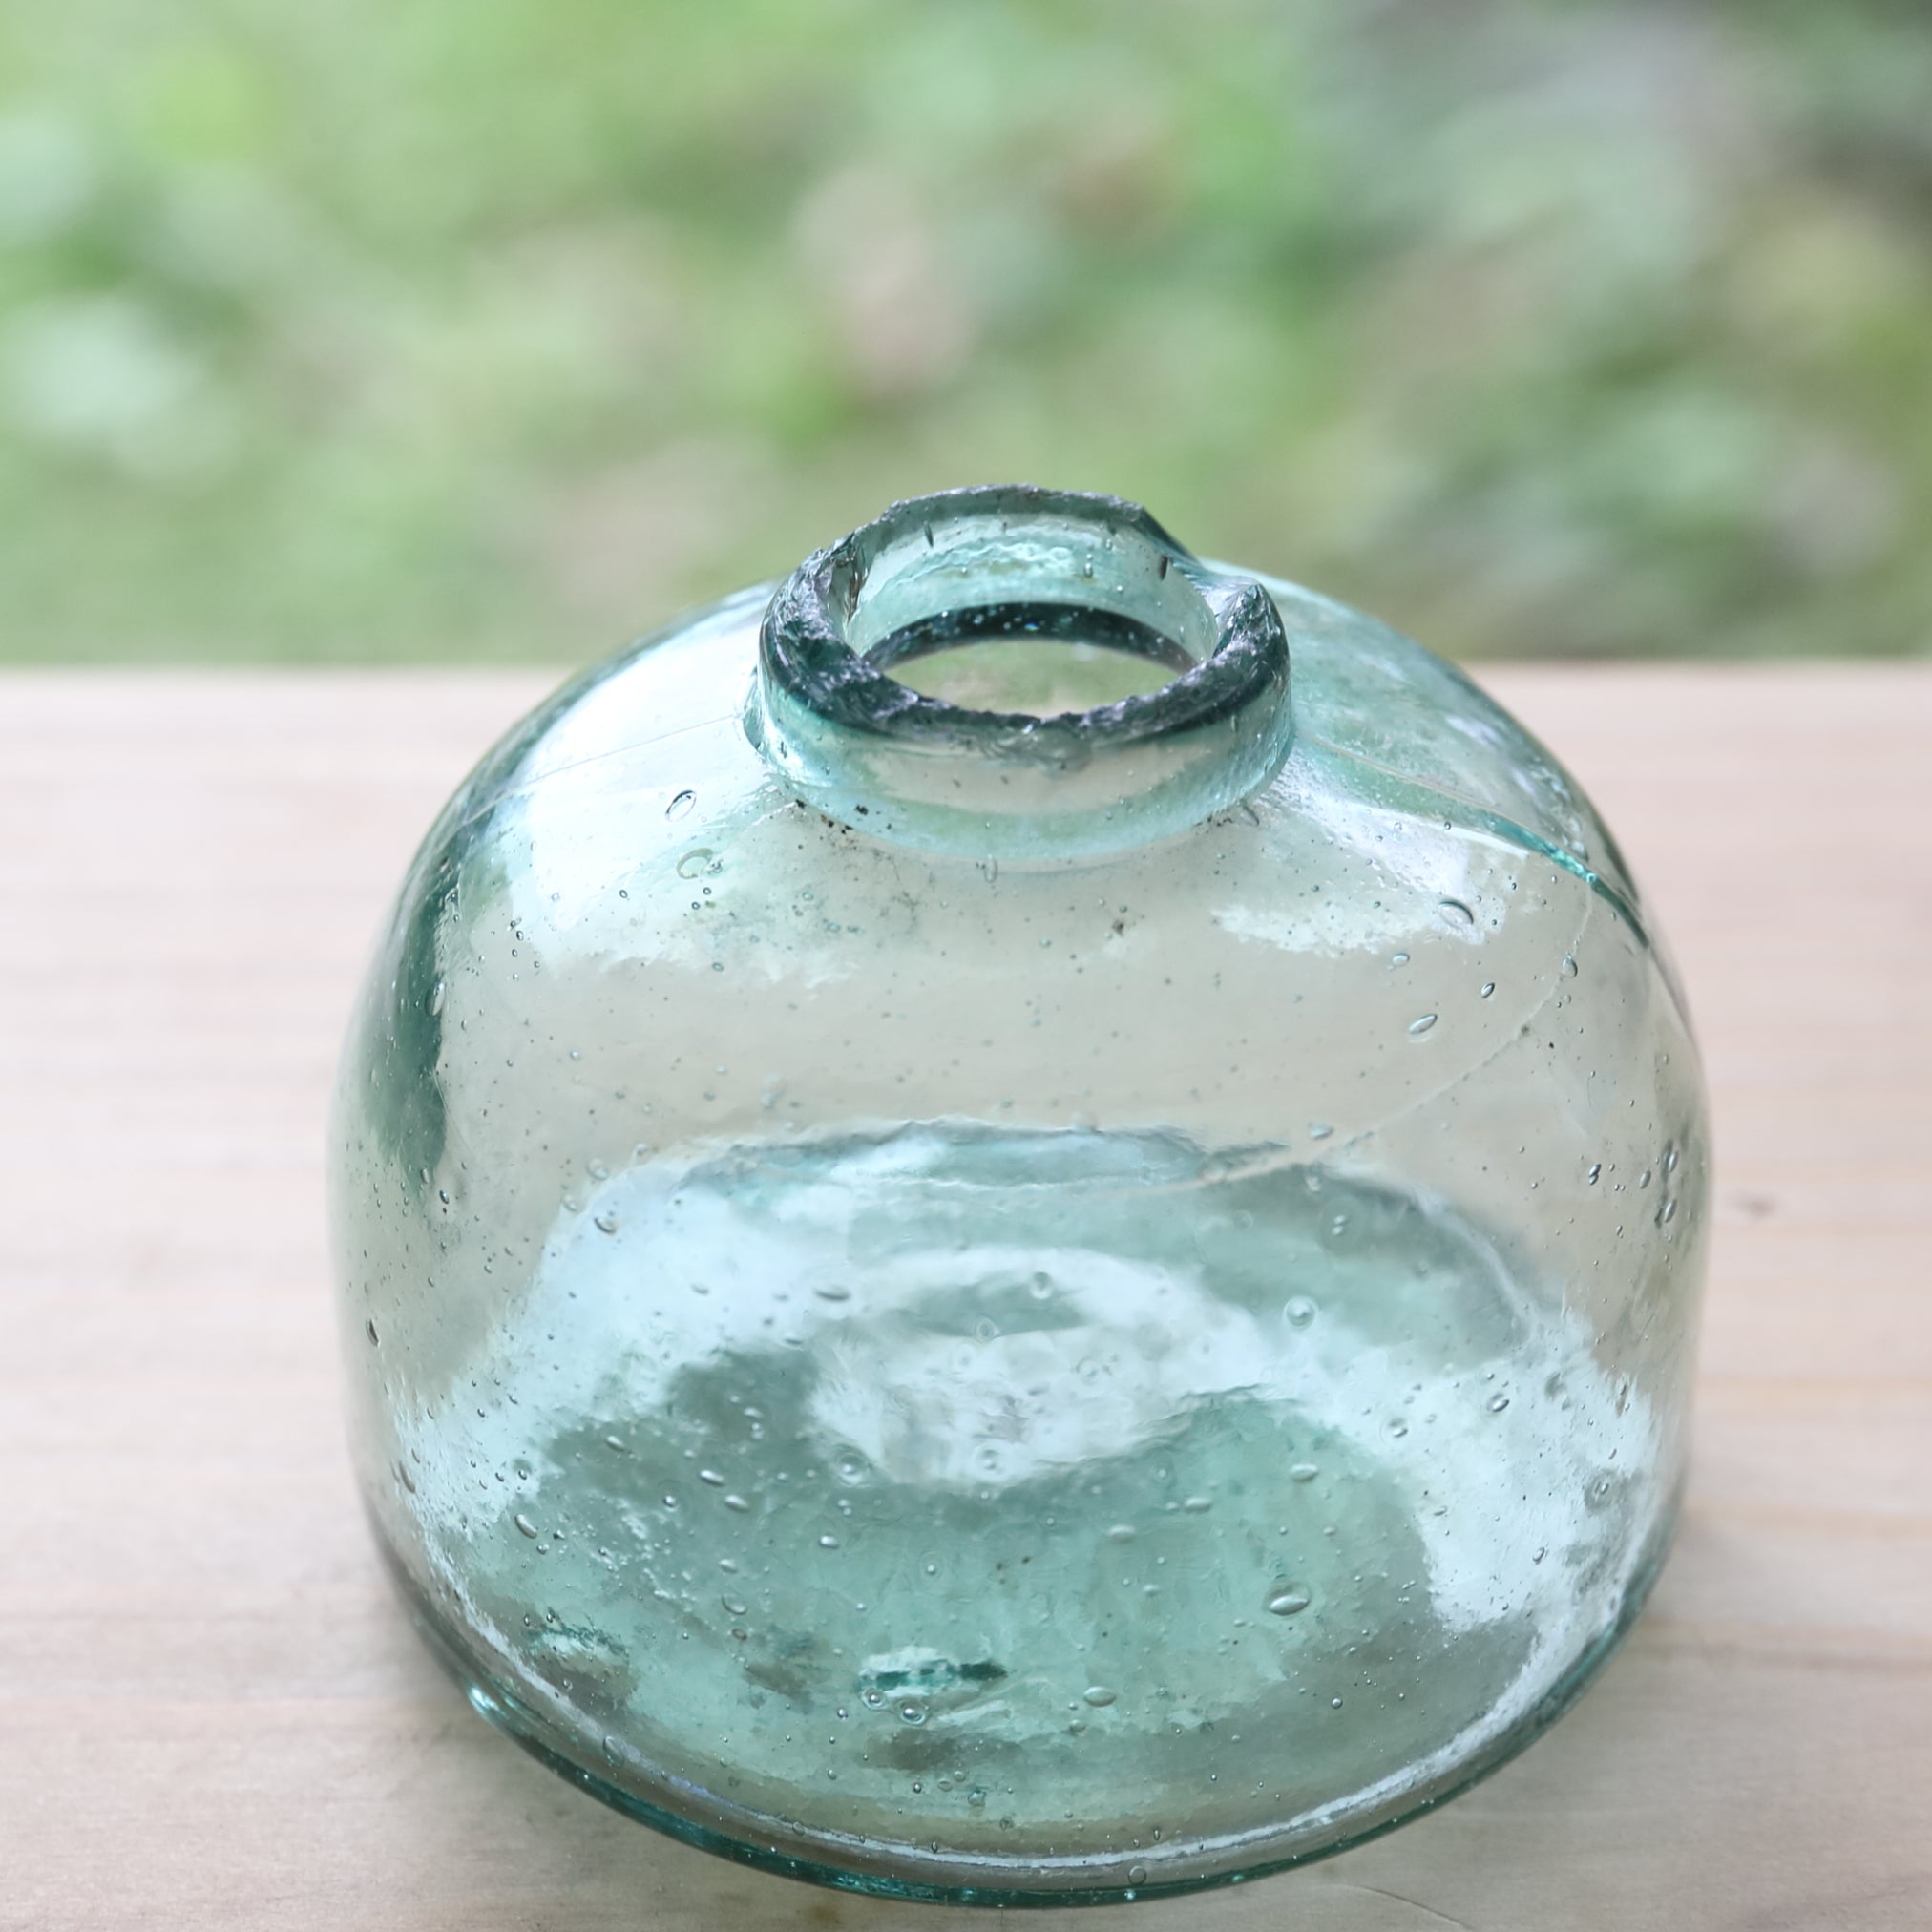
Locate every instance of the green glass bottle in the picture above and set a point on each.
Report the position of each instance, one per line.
(1021, 1224)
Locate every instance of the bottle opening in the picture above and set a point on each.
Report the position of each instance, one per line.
(1020, 672)
(1029, 658)
(1026, 606)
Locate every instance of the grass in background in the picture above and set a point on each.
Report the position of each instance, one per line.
(369, 331)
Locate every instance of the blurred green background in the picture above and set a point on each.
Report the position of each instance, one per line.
(405, 329)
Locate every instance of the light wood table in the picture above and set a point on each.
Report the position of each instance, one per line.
(213, 1715)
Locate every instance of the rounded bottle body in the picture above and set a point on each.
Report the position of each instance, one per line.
(981, 1370)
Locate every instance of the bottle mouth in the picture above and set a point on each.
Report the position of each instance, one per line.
(1052, 593)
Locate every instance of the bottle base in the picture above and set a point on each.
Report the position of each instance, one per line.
(879, 1869)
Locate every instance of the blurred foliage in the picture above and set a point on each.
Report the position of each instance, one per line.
(405, 327)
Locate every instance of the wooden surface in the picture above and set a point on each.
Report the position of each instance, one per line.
(213, 1715)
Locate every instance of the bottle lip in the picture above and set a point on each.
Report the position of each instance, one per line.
(872, 752)
(805, 641)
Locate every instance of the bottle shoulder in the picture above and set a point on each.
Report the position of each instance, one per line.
(626, 790)
(1400, 720)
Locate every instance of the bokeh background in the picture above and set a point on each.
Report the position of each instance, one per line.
(404, 329)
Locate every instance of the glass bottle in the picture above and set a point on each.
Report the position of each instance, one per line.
(1023, 1224)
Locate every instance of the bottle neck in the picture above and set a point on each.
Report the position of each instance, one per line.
(1032, 572)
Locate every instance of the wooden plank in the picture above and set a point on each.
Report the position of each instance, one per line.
(213, 1717)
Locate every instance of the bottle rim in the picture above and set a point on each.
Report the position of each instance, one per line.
(938, 571)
